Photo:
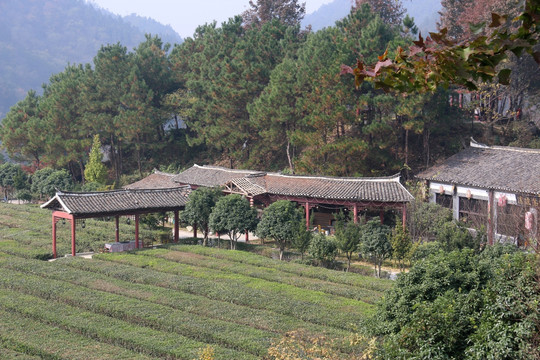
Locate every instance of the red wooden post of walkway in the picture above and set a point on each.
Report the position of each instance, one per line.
(54, 236)
(250, 205)
(176, 226)
(404, 216)
(137, 231)
(355, 213)
(117, 231)
(381, 216)
(307, 215)
(72, 236)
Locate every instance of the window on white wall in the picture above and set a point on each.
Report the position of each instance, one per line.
(473, 212)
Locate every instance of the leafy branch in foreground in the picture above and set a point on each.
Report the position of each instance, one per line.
(439, 60)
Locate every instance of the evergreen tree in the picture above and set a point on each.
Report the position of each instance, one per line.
(95, 171)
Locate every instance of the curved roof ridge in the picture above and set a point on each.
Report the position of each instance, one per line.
(116, 191)
(156, 171)
(477, 145)
(238, 171)
(395, 177)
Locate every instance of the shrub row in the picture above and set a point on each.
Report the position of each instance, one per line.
(32, 337)
(308, 305)
(68, 271)
(267, 273)
(8, 354)
(117, 310)
(338, 277)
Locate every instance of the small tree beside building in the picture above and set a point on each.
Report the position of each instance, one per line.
(199, 207)
(233, 215)
(280, 222)
(348, 239)
(376, 245)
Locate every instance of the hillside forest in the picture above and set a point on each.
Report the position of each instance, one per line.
(260, 92)
(39, 38)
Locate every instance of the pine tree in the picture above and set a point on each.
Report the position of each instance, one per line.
(95, 170)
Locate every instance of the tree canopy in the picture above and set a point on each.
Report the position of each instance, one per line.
(280, 222)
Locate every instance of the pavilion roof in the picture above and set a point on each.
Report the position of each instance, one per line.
(156, 180)
(382, 189)
(490, 167)
(253, 183)
(211, 176)
(119, 202)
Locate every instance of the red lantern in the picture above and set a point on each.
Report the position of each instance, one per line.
(502, 201)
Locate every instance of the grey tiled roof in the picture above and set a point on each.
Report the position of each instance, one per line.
(119, 201)
(254, 183)
(498, 168)
(156, 180)
(210, 176)
(387, 189)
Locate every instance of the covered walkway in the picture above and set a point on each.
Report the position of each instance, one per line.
(73, 206)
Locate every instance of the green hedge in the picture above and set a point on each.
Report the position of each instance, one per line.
(69, 271)
(32, 337)
(118, 309)
(312, 306)
(338, 277)
(273, 274)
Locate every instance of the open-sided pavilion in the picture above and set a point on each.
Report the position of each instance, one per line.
(74, 206)
(355, 194)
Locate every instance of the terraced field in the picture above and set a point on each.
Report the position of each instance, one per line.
(164, 303)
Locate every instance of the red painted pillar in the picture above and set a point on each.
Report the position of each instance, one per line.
(404, 216)
(137, 231)
(176, 226)
(381, 216)
(117, 230)
(195, 230)
(251, 202)
(355, 213)
(490, 214)
(307, 215)
(54, 236)
(72, 236)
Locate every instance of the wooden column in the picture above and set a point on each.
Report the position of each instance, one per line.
(404, 216)
(137, 231)
(195, 230)
(250, 205)
(491, 227)
(176, 226)
(307, 215)
(72, 236)
(117, 229)
(381, 216)
(355, 213)
(54, 236)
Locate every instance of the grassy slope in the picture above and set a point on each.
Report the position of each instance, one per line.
(163, 303)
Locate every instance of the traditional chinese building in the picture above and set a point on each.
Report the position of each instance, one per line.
(491, 186)
(321, 196)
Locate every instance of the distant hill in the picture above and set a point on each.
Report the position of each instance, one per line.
(40, 37)
(425, 13)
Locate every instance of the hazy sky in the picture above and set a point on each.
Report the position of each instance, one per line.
(185, 15)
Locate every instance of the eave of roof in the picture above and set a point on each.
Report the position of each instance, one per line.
(498, 168)
(125, 201)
